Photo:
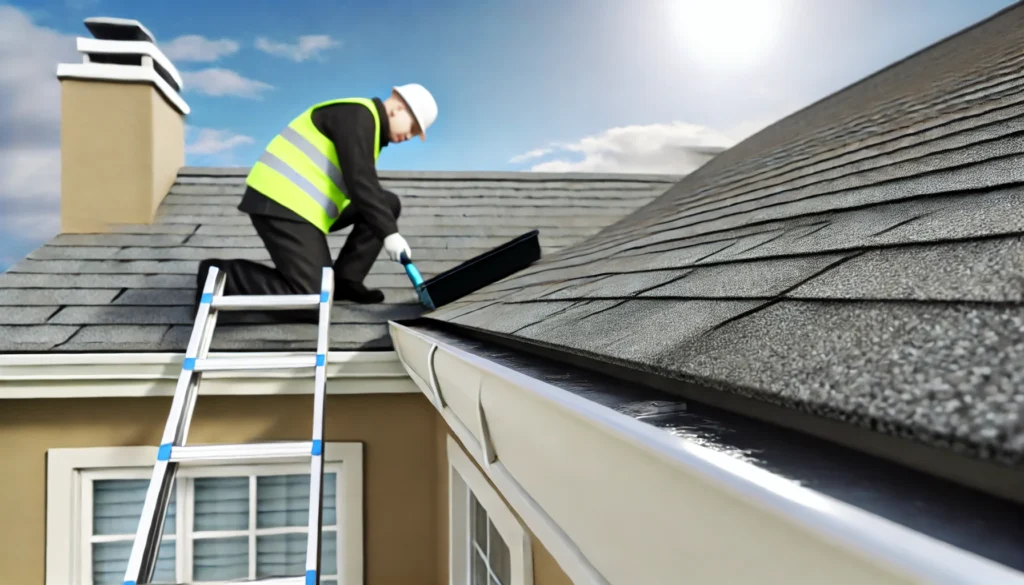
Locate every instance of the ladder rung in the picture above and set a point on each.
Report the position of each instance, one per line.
(256, 302)
(269, 581)
(254, 363)
(192, 453)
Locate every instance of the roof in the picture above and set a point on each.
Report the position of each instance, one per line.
(132, 290)
(861, 259)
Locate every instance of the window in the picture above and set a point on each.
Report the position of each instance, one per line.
(224, 522)
(488, 544)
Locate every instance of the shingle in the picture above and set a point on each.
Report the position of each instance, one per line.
(108, 240)
(69, 253)
(508, 318)
(26, 315)
(115, 337)
(941, 372)
(103, 281)
(103, 267)
(987, 270)
(632, 330)
(55, 296)
(761, 278)
(21, 338)
(618, 285)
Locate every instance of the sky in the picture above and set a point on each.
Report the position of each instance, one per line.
(523, 85)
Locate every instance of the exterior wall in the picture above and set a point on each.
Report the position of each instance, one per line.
(121, 147)
(401, 468)
(546, 570)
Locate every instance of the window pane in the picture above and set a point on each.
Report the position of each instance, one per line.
(284, 555)
(117, 506)
(220, 559)
(329, 553)
(283, 500)
(110, 559)
(478, 575)
(280, 555)
(500, 557)
(478, 522)
(221, 503)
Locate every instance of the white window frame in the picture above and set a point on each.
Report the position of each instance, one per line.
(464, 477)
(68, 509)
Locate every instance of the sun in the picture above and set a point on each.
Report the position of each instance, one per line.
(726, 33)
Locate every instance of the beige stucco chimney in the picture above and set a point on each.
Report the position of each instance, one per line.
(122, 128)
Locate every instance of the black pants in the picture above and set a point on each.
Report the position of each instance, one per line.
(299, 252)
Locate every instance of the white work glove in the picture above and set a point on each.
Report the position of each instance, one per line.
(395, 244)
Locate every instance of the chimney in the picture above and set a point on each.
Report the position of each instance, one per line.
(122, 128)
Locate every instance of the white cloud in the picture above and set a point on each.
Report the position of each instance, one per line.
(207, 141)
(674, 148)
(30, 129)
(529, 155)
(198, 48)
(223, 82)
(307, 47)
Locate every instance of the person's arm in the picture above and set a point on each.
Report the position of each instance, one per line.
(350, 127)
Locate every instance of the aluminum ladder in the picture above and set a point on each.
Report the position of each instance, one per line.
(173, 450)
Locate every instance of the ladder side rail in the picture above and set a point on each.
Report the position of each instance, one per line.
(316, 472)
(219, 282)
(146, 546)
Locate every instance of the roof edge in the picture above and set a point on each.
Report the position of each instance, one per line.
(109, 375)
(193, 171)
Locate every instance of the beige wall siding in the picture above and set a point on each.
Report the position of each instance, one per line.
(401, 469)
(546, 570)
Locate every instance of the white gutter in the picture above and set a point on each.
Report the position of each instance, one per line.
(618, 501)
(107, 375)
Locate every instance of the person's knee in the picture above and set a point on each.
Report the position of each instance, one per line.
(394, 203)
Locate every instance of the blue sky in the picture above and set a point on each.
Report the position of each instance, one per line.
(548, 77)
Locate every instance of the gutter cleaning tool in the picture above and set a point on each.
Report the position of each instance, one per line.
(476, 273)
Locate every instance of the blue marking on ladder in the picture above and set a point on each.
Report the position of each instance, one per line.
(311, 577)
(189, 364)
(318, 447)
(206, 298)
(321, 359)
(164, 453)
(129, 583)
(324, 296)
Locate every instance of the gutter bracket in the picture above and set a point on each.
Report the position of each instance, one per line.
(485, 435)
(435, 388)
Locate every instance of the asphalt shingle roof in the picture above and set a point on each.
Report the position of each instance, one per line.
(861, 259)
(132, 290)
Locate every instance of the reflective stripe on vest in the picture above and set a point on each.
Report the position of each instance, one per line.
(299, 168)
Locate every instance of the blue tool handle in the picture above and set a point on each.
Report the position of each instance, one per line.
(410, 269)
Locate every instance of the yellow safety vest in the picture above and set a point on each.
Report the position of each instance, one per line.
(300, 169)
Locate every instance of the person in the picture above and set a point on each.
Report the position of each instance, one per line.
(318, 176)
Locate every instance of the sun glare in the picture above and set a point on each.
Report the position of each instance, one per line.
(727, 33)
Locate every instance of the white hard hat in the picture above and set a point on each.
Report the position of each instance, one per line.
(422, 104)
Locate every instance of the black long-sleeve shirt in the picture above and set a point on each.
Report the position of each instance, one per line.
(350, 127)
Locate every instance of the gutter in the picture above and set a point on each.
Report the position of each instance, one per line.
(123, 375)
(670, 509)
